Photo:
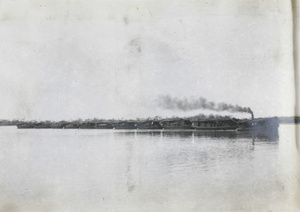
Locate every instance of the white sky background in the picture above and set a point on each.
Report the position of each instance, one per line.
(112, 59)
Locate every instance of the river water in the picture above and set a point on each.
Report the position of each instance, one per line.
(119, 170)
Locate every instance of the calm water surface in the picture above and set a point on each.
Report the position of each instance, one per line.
(110, 170)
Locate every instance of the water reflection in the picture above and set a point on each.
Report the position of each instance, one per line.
(140, 170)
(129, 157)
(267, 136)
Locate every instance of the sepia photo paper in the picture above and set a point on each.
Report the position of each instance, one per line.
(147, 105)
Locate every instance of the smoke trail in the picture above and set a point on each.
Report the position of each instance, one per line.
(185, 104)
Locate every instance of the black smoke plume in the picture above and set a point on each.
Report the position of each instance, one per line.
(185, 104)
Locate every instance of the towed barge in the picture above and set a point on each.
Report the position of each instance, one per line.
(228, 124)
(150, 125)
(181, 124)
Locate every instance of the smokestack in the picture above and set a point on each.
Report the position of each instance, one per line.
(251, 112)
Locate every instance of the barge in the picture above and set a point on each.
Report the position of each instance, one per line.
(125, 125)
(228, 124)
(181, 124)
(87, 125)
(25, 126)
(151, 125)
(104, 126)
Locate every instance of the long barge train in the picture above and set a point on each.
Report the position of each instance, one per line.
(260, 124)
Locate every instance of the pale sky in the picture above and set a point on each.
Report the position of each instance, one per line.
(112, 59)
